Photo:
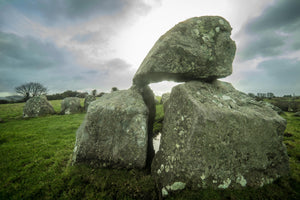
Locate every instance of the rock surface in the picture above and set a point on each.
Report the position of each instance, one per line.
(215, 136)
(37, 106)
(70, 105)
(297, 114)
(198, 48)
(165, 97)
(88, 99)
(114, 132)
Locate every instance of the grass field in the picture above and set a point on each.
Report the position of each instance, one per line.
(35, 155)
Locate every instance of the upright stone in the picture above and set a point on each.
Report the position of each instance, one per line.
(199, 48)
(70, 105)
(165, 97)
(215, 136)
(37, 106)
(115, 131)
(88, 99)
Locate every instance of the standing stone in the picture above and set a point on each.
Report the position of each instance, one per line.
(165, 97)
(215, 136)
(88, 99)
(70, 105)
(115, 131)
(199, 48)
(37, 106)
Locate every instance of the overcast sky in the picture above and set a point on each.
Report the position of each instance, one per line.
(99, 44)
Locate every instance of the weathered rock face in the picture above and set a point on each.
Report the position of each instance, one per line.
(70, 105)
(198, 48)
(215, 136)
(88, 99)
(165, 97)
(37, 106)
(115, 131)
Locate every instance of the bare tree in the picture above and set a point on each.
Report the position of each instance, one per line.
(31, 90)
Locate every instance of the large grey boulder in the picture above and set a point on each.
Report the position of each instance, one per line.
(88, 99)
(37, 106)
(70, 105)
(215, 136)
(115, 131)
(198, 48)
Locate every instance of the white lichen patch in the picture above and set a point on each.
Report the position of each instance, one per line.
(225, 97)
(167, 168)
(162, 167)
(265, 181)
(202, 177)
(225, 184)
(164, 192)
(221, 21)
(178, 186)
(196, 32)
(241, 180)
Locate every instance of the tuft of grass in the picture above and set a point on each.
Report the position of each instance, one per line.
(159, 118)
(292, 142)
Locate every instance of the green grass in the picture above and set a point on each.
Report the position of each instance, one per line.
(159, 117)
(35, 155)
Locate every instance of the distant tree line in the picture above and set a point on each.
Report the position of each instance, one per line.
(287, 103)
(33, 89)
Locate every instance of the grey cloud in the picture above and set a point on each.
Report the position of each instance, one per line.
(280, 76)
(25, 59)
(267, 44)
(53, 11)
(27, 52)
(283, 14)
(275, 32)
(117, 64)
(58, 12)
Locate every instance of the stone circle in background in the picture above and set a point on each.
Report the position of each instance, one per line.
(70, 105)
(37, 106)
(88, 99)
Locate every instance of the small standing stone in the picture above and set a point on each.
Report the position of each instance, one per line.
(70, 105)
(88, 99)
(37, 106)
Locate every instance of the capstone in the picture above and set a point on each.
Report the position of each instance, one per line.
(199, 48)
